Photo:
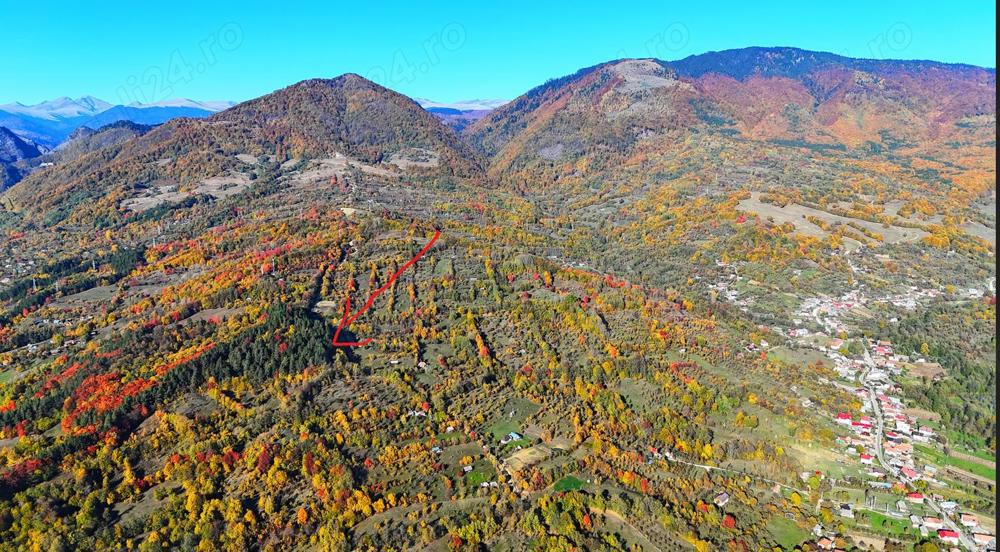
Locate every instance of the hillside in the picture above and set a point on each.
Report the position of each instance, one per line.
(12, 150)
(354, 116)
(781, 95)
(775, 160)
(712, 304)
(86, 140)
(314, 119)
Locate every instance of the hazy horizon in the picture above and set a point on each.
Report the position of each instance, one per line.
(444, 55)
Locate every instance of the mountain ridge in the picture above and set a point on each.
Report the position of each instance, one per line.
(317, 118)
(760, 93)
(51, 122)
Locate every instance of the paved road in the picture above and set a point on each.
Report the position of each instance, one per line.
(879, 418)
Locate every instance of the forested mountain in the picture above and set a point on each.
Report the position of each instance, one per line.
(316, 118)
(86, 140)
(351, 115)
(781, 95)
(648, 306)
(12, 150)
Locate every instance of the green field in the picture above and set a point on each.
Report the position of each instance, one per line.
(522, 409)
(786, 532)
(569, 483)
(981, 454)
(970, 466)
(887, 525)
(481, 473)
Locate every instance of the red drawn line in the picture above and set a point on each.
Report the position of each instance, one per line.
(348, 318)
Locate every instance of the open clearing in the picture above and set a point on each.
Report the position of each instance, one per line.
(929, 370)
(527, 457)
(786, 532)
(796, 214)
(162, 193)
(922, 414)
(981, 231)
(93, 295)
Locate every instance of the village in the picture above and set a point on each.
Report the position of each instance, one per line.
(881, 437)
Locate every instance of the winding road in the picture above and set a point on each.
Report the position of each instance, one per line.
(879, 418)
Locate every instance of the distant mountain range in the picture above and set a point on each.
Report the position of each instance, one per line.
(601, 122)
(458, 115)
(34, 135)
(461, 105)
(48, 124)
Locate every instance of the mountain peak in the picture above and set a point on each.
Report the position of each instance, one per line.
(14, 148)
(59, 108)
(211, 106)
(355, 116)
(792, 62)
(783, 94)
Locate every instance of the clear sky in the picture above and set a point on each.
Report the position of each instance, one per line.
(142, 51)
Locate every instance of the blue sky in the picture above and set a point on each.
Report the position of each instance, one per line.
(137, 51)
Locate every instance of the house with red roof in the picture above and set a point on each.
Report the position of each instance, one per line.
(948, 536)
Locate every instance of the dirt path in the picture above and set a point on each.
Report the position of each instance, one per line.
(621, 519)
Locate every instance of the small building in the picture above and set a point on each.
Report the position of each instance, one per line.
(846, 511)
(948, 536)
(512, 436)
(915, 498)
(866, 459)
(825, 544)
(721, 499)
(969, 520)
(843, 418)
(933, 523)
(983, 539)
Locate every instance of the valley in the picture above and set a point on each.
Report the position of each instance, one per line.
(662, 307)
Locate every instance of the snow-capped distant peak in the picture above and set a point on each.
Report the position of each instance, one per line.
(59, 108)
(184, 102)
(463, 105)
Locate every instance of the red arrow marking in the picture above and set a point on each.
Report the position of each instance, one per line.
(348, 317)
